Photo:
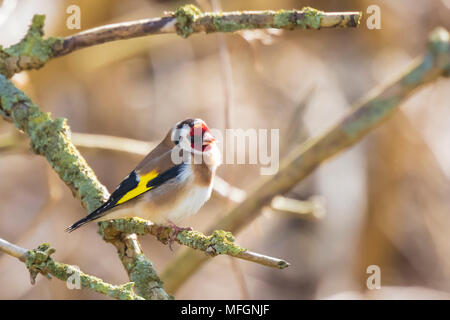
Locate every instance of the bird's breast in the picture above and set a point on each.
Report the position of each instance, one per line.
(190, 203)
(177, 199)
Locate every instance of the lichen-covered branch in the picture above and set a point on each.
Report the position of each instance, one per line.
(39, 261)
(219, 242)
(51, 138)
(364, 117)
(33, 51)
(190, 19)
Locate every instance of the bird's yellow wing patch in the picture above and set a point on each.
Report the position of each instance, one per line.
(140, 188)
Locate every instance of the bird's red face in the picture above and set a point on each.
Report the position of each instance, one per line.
(193, 135)
(200, 137)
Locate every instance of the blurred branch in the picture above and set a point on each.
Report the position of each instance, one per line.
(227, 191)
(111, 143)
(297, 132)
(226, 70)
(314, 207)
(51, 138)
(364, 117)
(32, 52)
(220, 242)
(14, 140)
(39, 261)
(311, 207)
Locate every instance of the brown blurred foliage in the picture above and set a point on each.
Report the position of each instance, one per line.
(387, 199)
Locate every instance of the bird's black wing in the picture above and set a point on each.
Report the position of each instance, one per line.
(133, 186)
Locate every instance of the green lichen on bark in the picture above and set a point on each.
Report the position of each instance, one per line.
(282, 19)
(378, 108)
(225, 24)
(186, 16)
(39, 260)
(51, 138)
(32, 52)
(127, 225)
(311, 18)
(36, 260)
(306, 18)
(190, 19)
(219, 242)
(139, 268)
(141, 271)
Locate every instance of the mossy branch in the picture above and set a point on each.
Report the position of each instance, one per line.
(51, 138)
(33, 51)
(219, 242)
(190, 19)
(365, 116)
(39, 261)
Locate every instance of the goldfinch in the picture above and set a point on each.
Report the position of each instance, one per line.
(170, 184)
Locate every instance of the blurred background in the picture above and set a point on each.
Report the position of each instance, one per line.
(384, 202)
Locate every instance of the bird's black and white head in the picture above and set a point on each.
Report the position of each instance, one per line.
(194, 136)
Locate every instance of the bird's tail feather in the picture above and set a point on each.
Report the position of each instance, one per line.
(99, 212)
(79, 223)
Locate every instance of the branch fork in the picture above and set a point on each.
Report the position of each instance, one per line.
(32, 52)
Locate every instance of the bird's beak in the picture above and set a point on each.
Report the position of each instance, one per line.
(208, 138)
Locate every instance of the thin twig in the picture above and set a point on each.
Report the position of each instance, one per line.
(364, 117)
(39, 261)
(189, 19)
(33, 51)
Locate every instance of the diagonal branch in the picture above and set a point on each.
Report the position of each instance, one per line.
(33, 51)
(51, 138)
(365, 116)
(39, 261)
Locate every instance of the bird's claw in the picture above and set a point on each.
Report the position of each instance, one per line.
(175, 231)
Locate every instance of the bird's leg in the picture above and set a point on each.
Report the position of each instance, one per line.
(159, 230)
(176, 230)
